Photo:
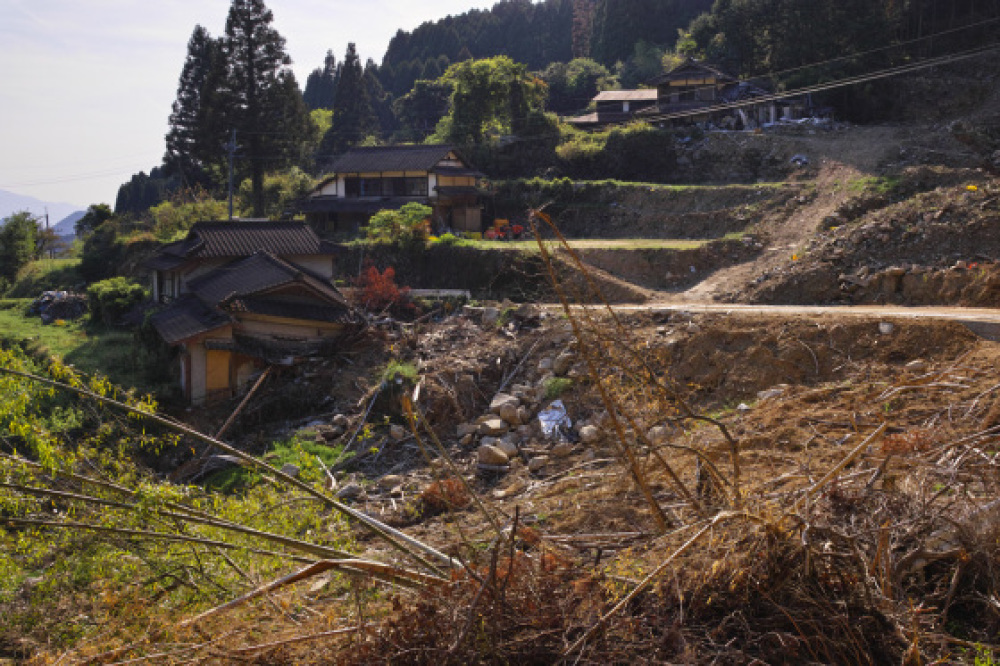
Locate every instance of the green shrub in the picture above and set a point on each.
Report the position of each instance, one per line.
(111, 299)
(556, 386)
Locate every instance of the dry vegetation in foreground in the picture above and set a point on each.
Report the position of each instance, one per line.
(848, 515)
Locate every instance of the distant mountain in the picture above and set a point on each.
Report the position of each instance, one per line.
(59, 213)
(67, 225)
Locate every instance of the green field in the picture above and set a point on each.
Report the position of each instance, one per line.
(89, 349)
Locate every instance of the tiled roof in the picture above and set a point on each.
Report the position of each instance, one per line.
(187, 317)
(392, 158)
(646, 95)
(696, 68)
(241, 239)
(245, 281)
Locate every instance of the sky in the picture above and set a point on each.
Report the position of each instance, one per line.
(86, 85)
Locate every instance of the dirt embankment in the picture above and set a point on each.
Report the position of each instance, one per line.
(610, 211)
(930, 240)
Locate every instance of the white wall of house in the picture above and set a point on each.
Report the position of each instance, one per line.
(320, 264)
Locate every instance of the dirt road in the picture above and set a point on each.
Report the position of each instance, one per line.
(981, 321)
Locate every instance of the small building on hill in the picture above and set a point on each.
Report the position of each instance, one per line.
(689, 89)
(239, 296)
(366, 180)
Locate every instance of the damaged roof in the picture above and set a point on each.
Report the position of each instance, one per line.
(243, 286)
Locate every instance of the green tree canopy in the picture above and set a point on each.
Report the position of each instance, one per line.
(573, 84)
(96, 215)
(490, 98)
(18, 243)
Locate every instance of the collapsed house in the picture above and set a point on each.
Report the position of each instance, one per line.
(239, 296)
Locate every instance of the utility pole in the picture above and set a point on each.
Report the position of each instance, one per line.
(231, 148)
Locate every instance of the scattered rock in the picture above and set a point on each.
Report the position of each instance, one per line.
(467, 429)
(537, 463)
(291, 470)
(493, 427)
(490, 316)
(351, 491)
(511, 414)
(397, 432)
(508, 446)
(340, 421)
(390, 481)
(562, 450)
(500, 400)
(467, 439)
(545, 365)
(659, 435)
(491, 455)
(775, 392)
(563, 363)
(590, 434)
(919, 365)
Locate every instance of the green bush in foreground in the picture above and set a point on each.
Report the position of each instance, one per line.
(111, 299)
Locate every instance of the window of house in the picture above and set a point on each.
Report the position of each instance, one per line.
(416, 186)
(352, 187)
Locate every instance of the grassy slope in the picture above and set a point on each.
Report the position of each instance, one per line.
(90, 350)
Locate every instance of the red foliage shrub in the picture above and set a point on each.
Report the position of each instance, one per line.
(378, 292)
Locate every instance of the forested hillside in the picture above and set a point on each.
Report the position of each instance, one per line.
(536, 35)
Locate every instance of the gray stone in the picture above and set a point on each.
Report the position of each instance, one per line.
(508, 446)
(537, 463)
(290, 470)
(467, 440)
(351, 491)
(490, 316)
(494, 427)
(467, 429)
(590, 434)
(918, 365)
(390, 481)
(500, 400)
(562, 450)
(340, 421)
(491, 455)
(510, 414)
(658, 435)
(545, 365)
(397, 432)
(563, 363)
(775, 392)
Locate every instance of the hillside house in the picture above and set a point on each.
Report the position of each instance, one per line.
(239, 296)
(616, 106)
(367, 180)
(689, 87)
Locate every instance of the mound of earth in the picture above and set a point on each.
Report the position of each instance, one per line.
(928, 240)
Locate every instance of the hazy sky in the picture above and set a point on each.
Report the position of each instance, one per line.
(86, 85)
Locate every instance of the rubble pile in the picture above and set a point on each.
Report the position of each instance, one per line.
(58, 305)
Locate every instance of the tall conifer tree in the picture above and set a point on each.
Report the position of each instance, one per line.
(263, 101)
(353, 118)
(196, 132)
(321, 86)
